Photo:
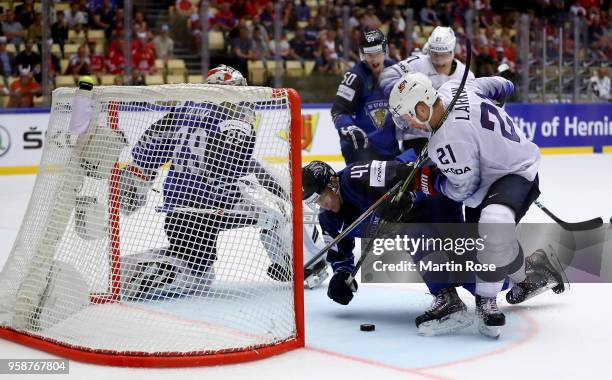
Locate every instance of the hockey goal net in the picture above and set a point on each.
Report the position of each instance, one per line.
(167, 234)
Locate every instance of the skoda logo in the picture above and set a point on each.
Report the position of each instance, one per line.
(5, 141)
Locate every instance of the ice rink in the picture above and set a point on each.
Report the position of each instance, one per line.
(565, 336)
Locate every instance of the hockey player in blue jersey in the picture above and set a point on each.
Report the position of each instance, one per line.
(359, 111)
(210, 148)
(345, 195)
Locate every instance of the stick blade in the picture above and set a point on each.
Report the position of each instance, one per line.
(583, 226)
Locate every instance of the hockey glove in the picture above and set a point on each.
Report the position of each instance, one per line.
(425, 182)
(338, 290)
(354, 135)
(394, 211)
(134, 186)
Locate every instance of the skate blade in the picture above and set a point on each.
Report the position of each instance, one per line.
(447, 325)
(492, 332)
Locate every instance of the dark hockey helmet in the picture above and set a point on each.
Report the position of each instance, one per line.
(315, 178)
(372, 41)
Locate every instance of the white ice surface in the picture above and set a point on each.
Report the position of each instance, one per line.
(564, 336)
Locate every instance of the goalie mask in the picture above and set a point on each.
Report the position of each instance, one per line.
(316, 177)
(411, 89)
(225, 75)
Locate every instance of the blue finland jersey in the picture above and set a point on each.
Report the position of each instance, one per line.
(359, 101)
(362, 184)
(209, 147)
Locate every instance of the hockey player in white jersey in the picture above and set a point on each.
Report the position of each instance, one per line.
(487, 163)
(438, 63)
(211, 187)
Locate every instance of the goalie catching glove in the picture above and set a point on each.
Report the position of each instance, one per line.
(134, 186)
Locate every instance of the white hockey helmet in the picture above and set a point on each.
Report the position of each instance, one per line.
(407, 92)
(441, 45)
(227, 75)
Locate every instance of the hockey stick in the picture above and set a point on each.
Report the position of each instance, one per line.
(422, 158)
(392, 192)
(577, 226)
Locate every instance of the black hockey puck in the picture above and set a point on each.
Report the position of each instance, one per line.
(367, 327)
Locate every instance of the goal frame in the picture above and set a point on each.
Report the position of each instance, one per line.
(188, 359)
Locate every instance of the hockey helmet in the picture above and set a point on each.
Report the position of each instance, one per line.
(441, 45)
(316, 176)
(372, 41)
(407, 92)
(227, 75)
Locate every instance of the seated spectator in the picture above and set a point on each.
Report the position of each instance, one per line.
(143, 54)
(35, 30)
(74, 15)
(599, 85)
(397, 28)
(28, 58)
(96, 59)
(267, 16)
(116, 58)
(330, 42)
(25, 14)
(311, 31)
(244, 8)
(138, 78)
(59, 31)
(116, 29)
(325, 63)
(8, 67)
(224, 19)
(257, 24)
(302, 11)
(235, 32)
(242, 50)
(354, 52)
(394, 53)
(284, 47)
(80, 35)
(79, 63)
(118, 80)
(140, 24)
(23, 90)
(13, 30)
(164, 45)
(289, 19)
(261, 49)
(103, 17)
(427, 14)
(370, 19)
(299, 48)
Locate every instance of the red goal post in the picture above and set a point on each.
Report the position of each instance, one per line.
(60, 290)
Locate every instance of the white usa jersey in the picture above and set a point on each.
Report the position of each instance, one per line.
(478, 143)
(422, 64)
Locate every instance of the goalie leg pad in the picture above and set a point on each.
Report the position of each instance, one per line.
(90, 220)
(101, 151)
(153, 274)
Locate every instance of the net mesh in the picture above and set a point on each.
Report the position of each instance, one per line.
(165, 228)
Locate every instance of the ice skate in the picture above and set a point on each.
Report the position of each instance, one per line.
(544, 271)
(446, 314)
(490, 319)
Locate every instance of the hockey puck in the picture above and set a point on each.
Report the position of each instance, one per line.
(367, 327)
